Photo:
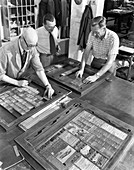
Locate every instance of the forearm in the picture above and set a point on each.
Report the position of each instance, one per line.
(9, 80)
(43, 78)
(84, 58)
(83, 62)
(105, 68)
(80, 53)
(94, 77)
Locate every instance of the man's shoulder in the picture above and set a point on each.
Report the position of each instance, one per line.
(40, 30)
(111, 33)
(10, 46)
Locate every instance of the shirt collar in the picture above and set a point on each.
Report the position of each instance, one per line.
(106, 34)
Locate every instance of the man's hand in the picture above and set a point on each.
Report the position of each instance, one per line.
(22, 83)
(49, 91)
(58, 49)
(79, 73)
(90, 79)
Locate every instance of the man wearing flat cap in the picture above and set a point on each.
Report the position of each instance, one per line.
(16, 57)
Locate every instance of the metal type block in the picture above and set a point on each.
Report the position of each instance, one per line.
(96, 157)
(19, 103)
(85, 149)
(97, 146)
(79, 145)
(69, 138)
(62, 143)
(91, 153)
(102, 161)
(73, 168)
(84, 163)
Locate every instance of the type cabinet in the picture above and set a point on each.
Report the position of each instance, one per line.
(17, 14)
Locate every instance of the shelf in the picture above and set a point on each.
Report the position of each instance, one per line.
(16, 15)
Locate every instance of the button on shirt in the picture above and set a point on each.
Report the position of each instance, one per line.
(43, 39)
(109, 45)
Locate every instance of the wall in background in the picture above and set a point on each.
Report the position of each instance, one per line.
(76, 14)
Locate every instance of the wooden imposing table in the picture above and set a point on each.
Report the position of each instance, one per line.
(115, 98)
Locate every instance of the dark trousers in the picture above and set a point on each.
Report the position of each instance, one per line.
(98, 63)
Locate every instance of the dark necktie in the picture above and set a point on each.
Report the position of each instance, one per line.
(52, 44)
(23, 58)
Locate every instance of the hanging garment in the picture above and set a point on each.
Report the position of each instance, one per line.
(64, 11)
(58, 14)
(51, 7)
(85, 26)
(64, 18)
(42, 11)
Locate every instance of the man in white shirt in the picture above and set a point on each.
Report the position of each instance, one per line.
(13, 62)
(104, 45)
(49, 26)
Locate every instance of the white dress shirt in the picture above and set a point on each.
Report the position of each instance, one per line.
(43, 39)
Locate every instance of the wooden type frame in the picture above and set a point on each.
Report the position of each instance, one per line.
(64, 73)
(35, 139)
(59, 92)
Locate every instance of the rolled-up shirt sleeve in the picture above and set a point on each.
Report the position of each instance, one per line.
(89, 42)
(36, 63)
(114, 45)
(3, 63)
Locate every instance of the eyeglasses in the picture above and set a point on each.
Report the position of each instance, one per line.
(29, 45)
